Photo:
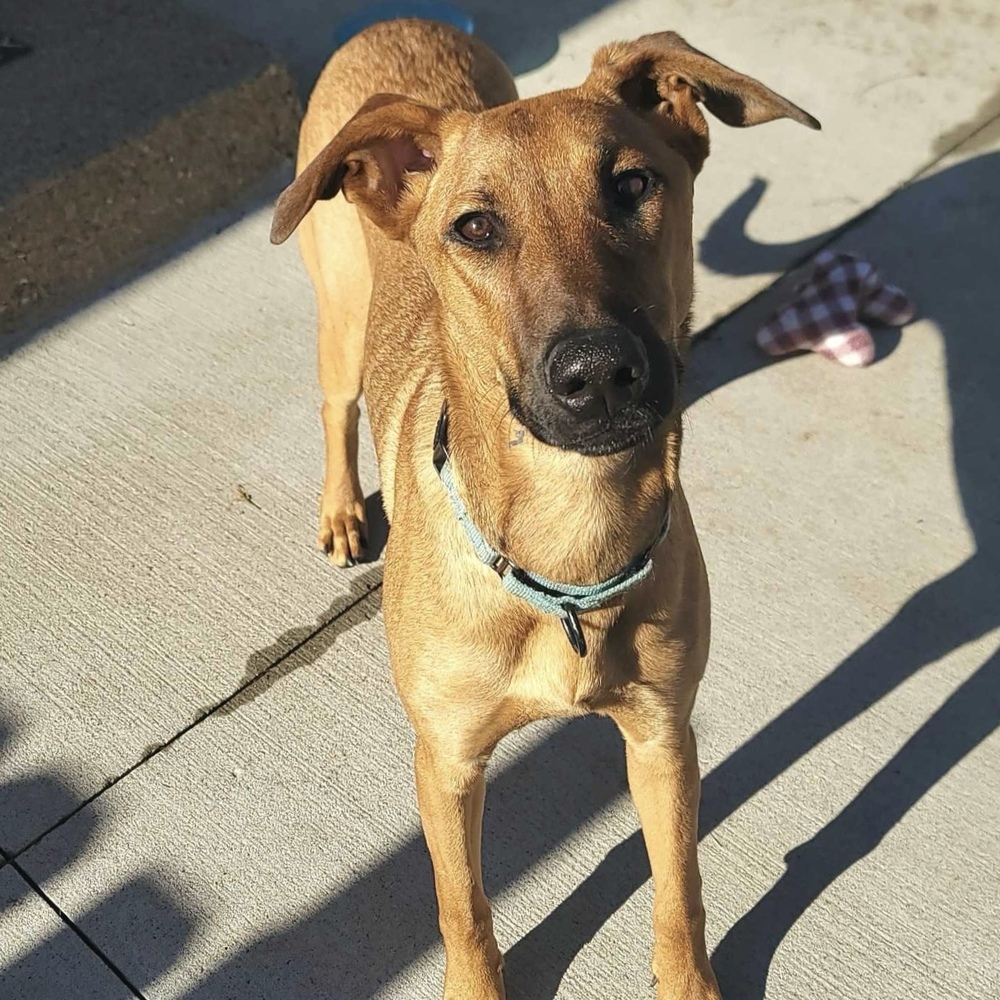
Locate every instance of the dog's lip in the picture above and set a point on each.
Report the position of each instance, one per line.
(643, 421)
(632, 437)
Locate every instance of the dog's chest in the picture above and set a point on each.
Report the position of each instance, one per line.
(550, 679)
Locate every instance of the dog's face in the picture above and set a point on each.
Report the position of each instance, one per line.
(557, 230)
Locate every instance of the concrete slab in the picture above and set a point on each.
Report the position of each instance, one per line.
(848, 518)
(40, 957)
(847, 723)
(140, 585)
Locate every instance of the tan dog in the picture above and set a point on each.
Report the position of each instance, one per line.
(525, 266)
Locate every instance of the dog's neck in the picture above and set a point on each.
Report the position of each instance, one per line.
(566, 516)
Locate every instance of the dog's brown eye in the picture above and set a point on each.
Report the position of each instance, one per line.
(631, 187)
(476, 228)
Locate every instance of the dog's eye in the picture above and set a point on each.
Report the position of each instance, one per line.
(631, 187)
(476, 229)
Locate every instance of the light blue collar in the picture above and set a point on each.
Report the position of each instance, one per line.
(564, 600)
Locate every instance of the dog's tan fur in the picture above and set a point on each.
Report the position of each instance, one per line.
(419, 320)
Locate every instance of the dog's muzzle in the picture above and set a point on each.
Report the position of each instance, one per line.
(597, 392)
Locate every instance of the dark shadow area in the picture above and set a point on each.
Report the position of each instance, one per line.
(127, 127)
(133, 124)
(153, 257)
(22, 798)
(11, 49)
(305, 644)
(110, 71)
(44, 973)
(378, 526)
(303, 33)
(526, 34)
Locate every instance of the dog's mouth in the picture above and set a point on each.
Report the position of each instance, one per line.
(631, 427)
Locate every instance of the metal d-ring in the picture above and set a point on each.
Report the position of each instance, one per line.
(573, 629)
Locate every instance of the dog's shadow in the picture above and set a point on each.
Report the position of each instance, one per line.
(378, 526)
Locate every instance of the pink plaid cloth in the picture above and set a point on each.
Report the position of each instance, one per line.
(826, 312)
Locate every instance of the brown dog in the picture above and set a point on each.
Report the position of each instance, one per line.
(524, 268)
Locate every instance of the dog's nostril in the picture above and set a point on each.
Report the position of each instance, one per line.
(594, 374)
(625, 376)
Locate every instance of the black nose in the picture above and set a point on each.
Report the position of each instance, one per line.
(596, 373)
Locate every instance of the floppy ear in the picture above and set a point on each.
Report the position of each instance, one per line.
(663, 76)
(369, 159)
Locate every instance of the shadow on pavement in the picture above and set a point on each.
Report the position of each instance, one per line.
(301, 32)
(141, 129)
(932, 240)
(43, 973)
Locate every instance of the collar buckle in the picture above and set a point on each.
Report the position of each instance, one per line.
(500, 565)
(441, 440)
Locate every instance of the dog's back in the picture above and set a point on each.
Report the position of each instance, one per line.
(424, 60)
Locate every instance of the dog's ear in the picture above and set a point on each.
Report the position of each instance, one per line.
(662, 76)
(372, 160)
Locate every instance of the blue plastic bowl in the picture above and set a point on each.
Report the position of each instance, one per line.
(433, 10)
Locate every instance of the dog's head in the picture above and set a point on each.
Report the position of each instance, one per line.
(557, 230)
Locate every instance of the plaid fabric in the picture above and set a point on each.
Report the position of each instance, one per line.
(829, 306)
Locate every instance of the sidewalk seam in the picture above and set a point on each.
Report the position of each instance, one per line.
(11, 858)
(82, 935)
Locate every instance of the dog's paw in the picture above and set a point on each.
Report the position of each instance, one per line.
(343, 531)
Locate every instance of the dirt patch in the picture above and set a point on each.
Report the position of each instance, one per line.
(67, 236)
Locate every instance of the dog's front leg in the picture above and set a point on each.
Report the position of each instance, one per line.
(665, 783)
(451, 792)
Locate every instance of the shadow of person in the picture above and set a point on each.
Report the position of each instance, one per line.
(52, 968)
(22, 800)
(934, 240)
(61, 966)
(743, 957)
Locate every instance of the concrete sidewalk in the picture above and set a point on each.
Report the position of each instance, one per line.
(205, 787)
